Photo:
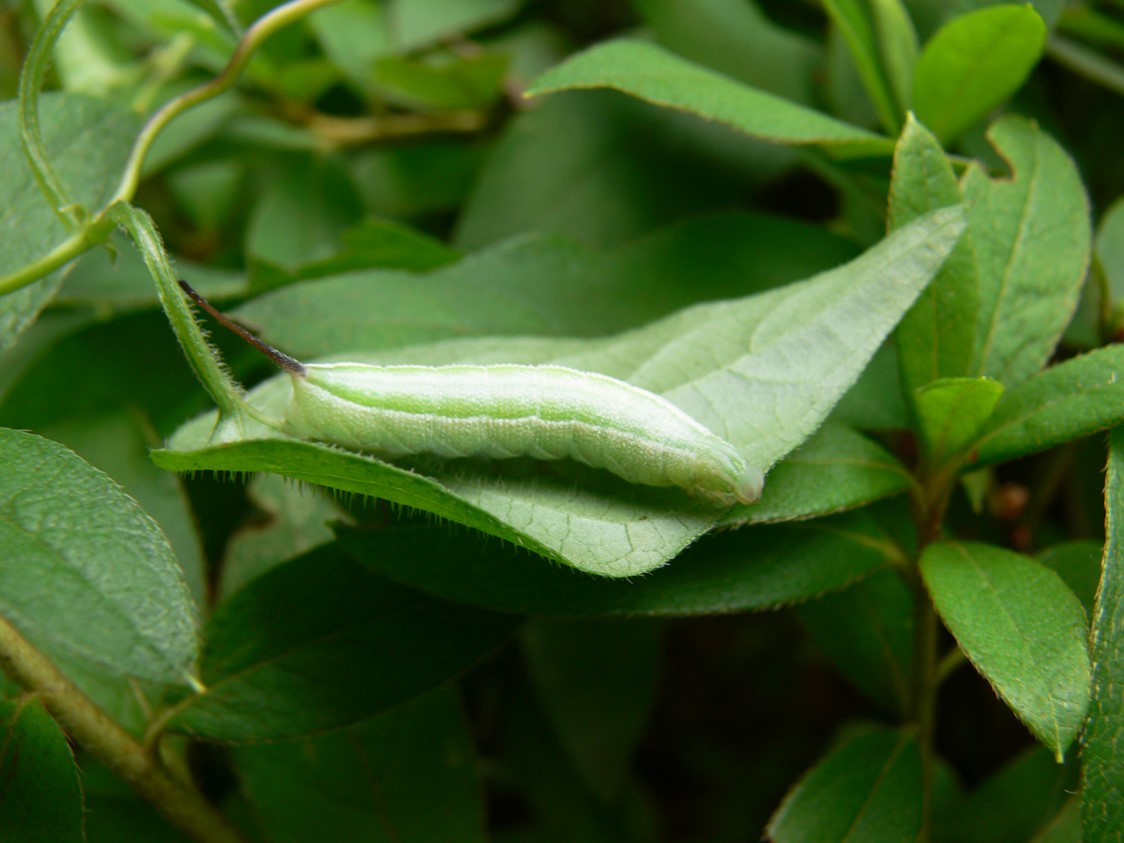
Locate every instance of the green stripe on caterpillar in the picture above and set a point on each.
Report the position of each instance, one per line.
(501, 411)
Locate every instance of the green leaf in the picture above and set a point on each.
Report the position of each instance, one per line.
(544, 285)
(1016, 802)
(836, 469)
(1031, 233)
(867, 632)
(883, 45)
(87, 142)
(935, 338)
(1078, 563)
(950, 413)
(1102, 752)
(416, 23)
(974, 63)
(597, 682)
(1021, 627)
(759, 568)
(867, 789)
(375, 781)
(85, 571)
(470, 81)
(278, 665)
(40, 794)
(765, 396)
(654, 75)
(1072, 399)
(601, 168)
(737, 39)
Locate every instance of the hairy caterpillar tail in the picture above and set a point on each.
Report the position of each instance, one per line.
(501, 411)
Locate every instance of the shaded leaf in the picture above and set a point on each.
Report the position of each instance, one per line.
(1021, 627)
(867, 789)
(40, 794)
(758, 568)
(950, 412)
(373, 782)
(319, 643)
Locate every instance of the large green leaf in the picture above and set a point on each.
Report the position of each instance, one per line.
(40, 795)
(408, 774)
(320, 643)
(87, 141)
(1032, 236)
(85, 571)
(759, 568)
(1102, 753)
(974, 63)
(654, 75)
(935, 339)
(868, 789)
(762, 372)
(1021, 627)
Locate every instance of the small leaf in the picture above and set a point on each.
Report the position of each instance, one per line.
(1078, 563)
(319, 643)
(867, 789)
(950, 413)
(84, 569)
(1031, 233)
(382, 774)
(973, 64)
(740, 571)
(40, 793)
(935, 339)
(1021, 627)
(1064, 402)
(1102, 751)
(654, 75)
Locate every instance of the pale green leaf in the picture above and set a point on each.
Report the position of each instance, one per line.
(762, 372)
(950, 413)
(1021, 627)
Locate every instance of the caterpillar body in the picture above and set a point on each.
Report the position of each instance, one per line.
(502, 411)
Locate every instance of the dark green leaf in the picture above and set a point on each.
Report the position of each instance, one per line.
(751, 569)
(319, 643)
(408, 774)
(1078, 563)
(40, 794)
(867, 632)
(659, 77)
(1102, 752)
(935, 339)
(1031, 233)
(85, 570)
(597, 682)
(1021, 627)
(973, 64)
(867, 789)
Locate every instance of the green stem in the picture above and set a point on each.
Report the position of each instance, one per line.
(82, 719)
(73, 247)
(31, 82)
(264, 27)
(1085, 62)
(204, 359)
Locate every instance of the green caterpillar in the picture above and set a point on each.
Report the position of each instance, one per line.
(503, 411)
